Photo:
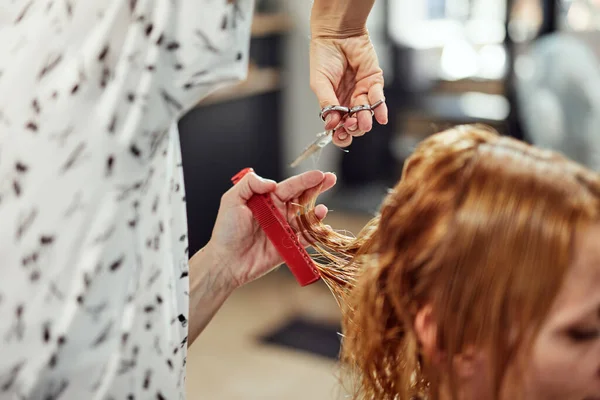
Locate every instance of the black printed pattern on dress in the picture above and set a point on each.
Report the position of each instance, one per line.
(91, 190)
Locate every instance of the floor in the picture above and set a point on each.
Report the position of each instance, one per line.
(230, 362)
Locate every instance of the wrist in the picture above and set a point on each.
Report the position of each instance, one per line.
(339, 18)
(210, 286)
(210, 268)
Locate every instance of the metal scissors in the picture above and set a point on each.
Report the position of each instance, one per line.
(326, 137)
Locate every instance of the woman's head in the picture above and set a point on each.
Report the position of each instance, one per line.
(478, 277)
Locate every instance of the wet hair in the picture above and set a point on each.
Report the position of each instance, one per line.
(481, 228)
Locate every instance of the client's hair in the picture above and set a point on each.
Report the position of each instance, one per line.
(481, 228)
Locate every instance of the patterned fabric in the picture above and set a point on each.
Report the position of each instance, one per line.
(93, 246)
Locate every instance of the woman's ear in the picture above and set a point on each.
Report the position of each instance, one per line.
(426, 330)
(468, 363)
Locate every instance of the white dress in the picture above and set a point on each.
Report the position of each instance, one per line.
(93, 246)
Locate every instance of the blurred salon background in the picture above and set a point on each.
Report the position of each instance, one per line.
(529, 68)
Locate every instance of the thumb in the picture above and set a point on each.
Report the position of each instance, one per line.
(248, 186)
(326, 96)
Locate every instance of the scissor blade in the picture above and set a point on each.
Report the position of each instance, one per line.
(323, 139)
(310, 150)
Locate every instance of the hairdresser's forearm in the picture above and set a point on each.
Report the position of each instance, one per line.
(210, 286)
(339, 18)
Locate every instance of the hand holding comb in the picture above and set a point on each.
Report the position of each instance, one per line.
(281, 235)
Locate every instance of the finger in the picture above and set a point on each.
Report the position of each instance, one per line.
(300, 203)
(351, 125)
(303, 234)
(341, 138)
(332, 119)
(325, 93)
(302, 238)
(293, 187)
(365, 119)
(381, 111)
(321, 211)
(328, 182)
(249, 185)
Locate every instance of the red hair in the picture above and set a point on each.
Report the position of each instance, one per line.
(481, 228)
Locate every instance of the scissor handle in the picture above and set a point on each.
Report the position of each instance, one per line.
(327, 109)
(363, 107)
(349, 111)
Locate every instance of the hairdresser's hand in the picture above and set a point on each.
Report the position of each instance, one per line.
(346, 72)
(237, 240)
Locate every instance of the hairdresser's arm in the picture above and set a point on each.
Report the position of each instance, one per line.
(340, 18)
(210, 286)
(238, 251)
(344, 68)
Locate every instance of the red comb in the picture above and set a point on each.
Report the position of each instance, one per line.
(281, 234)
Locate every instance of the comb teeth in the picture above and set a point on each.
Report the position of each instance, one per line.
(261, 208)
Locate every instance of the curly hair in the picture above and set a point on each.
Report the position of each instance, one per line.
(481, 228)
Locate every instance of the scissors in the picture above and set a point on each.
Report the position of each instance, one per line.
(325, 137)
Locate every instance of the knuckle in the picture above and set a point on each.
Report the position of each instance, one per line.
(252, 176)
(252, 179)
(225, 197)
(326, 103)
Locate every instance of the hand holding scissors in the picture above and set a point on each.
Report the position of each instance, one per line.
(325, 137)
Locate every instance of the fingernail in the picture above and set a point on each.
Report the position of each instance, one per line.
(352, 127)
(327, 118)
(343, 136)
